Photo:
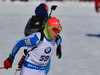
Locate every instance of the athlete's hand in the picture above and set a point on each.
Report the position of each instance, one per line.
(8, 62)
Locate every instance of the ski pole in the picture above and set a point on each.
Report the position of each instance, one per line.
(53, 7)
(17, 70)
(5, 67)
(2, 67)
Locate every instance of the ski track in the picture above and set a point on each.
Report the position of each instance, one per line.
(80, 34)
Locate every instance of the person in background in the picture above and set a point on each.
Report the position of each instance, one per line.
(37, 20)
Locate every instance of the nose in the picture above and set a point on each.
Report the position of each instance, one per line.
(57, 33)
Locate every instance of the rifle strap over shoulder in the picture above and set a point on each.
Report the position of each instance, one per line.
(41, 39)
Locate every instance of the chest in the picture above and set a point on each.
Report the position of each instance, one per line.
(45, 48)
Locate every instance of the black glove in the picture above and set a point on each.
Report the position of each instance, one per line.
(58, 52)
(8, 62)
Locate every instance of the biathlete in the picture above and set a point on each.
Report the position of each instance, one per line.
(36, 60)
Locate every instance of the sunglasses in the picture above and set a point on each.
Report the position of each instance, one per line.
(55, 29)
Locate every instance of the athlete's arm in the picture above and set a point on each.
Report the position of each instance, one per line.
(26, 41)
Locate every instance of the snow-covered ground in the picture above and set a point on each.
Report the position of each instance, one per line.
(81, 35)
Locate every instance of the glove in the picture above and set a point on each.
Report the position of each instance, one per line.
(8, 62)
(58, 52)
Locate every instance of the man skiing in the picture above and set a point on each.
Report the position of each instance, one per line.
(37, 59)
(36, 21)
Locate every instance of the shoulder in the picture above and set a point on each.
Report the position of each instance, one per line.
(38, 34)
(32, 39)
(35, 36)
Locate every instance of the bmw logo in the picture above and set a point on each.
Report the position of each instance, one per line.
(48, 50)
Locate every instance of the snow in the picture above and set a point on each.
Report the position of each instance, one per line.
(80, 34)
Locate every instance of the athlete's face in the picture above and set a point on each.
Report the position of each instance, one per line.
(53, 34)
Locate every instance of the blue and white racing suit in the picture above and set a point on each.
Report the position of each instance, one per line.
(36, 60)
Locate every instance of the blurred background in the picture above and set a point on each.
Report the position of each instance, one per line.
(49, 0)
(80, 20)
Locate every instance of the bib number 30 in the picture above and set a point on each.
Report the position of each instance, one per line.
(44, 58)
